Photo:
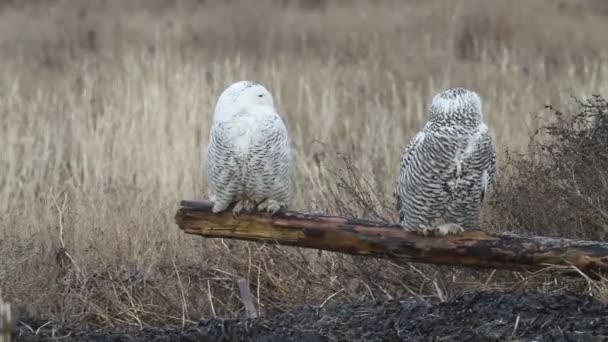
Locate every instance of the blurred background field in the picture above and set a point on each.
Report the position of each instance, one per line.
(105, 108)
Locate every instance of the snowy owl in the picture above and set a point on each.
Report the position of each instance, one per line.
(248, 159)
(446, 168)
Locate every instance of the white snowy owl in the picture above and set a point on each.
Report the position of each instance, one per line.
(248, 157)
(447, 167)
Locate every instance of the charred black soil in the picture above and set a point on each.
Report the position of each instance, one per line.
(486, 316)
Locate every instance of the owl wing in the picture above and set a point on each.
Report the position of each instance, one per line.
(486, 160)
(270, 160)
(406, 171)
(221, 165)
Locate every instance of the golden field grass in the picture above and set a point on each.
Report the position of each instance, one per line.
(105, 109)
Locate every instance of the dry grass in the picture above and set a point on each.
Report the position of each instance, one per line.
(105, 107)
(7, 321)
(561, 187)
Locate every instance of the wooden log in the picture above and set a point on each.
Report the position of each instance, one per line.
(475, 248)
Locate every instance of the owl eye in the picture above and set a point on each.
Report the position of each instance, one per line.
(261, 95)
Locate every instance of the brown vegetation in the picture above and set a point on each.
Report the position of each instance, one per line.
(105, 106)
(562, 186)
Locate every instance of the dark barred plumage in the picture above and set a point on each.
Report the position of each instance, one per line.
(447, 167)
(248, 155)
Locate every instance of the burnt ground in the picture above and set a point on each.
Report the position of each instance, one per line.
(486, 316)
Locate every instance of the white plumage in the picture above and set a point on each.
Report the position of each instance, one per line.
(248, 157)
(447, 167)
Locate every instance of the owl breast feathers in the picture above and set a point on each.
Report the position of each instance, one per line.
(248, 160)
(447, 167)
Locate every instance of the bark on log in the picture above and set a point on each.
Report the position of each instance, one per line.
(476, 248)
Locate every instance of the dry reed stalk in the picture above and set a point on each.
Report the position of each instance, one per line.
(7, 321)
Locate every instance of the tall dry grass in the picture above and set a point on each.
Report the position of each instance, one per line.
(106, 107)
(7, 321)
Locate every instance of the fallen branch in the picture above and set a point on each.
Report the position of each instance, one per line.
(476, 248)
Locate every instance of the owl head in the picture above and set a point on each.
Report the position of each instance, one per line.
(456, 103)
(243, 94)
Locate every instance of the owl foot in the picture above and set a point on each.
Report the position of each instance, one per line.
(426, 230)
(440, 230)
(242, 205)
(449, 228)
(271, 206)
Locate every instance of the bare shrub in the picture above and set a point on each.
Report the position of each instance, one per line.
(561, 187)
(355, 195)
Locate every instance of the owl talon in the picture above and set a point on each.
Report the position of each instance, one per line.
(439, 230)
(426, 230)
(242, 205)
(281, 209)
(421, 230)
(236, 211)
(449, 229)
(271, 206)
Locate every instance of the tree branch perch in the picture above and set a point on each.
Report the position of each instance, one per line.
(476, 249)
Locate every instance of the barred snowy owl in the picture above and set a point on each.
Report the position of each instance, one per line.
(248, 155)
(447, 167)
